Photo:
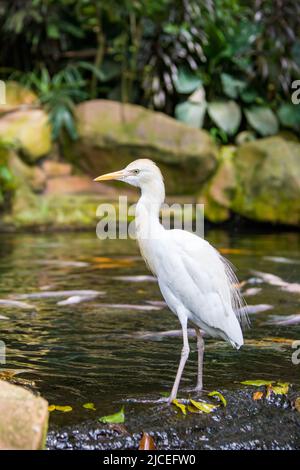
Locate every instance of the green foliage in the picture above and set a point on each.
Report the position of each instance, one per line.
(157, 53)
(262, 119)
(6, 177)
(58, 94)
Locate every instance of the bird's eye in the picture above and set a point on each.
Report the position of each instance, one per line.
(136, 172)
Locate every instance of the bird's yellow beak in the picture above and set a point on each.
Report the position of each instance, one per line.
(111, 176)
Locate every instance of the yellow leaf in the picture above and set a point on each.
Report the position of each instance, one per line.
(297, 404)
(51, 407)
(257, 383)
(89, 406)
(192, 409)
(219, 395)
(64, 409)
(234, 251)
(280, 388)
(180, 406)
(205, 407)
(257, 395)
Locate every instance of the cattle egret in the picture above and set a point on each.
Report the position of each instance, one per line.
(197, 283)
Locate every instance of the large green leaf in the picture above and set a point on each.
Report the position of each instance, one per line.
(186, 81)
(226, 114)
(116, 418)
(191, 114)
(262, 119)
(289, 115)
(232, 87)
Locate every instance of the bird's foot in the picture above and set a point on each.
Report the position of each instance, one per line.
(171, 398)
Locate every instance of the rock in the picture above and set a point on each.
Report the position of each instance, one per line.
(29, 130)
(24, 174)
(112, 134)
(268, 181)
(23, 419)
(73, 185)
(218, 193)
(55, 169)
(17, 95)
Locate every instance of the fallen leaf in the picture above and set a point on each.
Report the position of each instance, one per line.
(202, 406)
(297, 404)
(89, 406)
(281, 388)
(111, 263)
(219, 395)
(179, 405)
(147, 443)
(239, 285)
(257, 383)
(192, 409)
(116, 418)
(257, 395)
(234, 251)
(164, 394)
(64, 409)
(279, 340)
(7, 374)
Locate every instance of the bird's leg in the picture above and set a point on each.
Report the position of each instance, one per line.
(184, 355)
(200, 347)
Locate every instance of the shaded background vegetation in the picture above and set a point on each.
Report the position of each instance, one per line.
(225, 65)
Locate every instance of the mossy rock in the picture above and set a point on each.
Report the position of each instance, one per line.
(27, 130)
(112, 134)
(268, 181)
(44, 212)
(17, 95)
(218, 192)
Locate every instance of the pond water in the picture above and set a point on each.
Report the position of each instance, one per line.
(105, 352)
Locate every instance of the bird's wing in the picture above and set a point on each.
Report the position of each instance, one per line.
(204, 285)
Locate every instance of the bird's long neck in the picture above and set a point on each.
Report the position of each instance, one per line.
(147, 210)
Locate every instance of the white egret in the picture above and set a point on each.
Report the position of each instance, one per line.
(197, 283)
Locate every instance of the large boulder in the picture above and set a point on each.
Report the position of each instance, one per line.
(259, 181)
(268, 181)
(28, 130)
(112, 134)
(218, 192)
(23, 419)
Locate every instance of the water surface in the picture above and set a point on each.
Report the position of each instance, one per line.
(93, 353)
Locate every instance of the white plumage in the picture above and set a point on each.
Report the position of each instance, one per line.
(197, 283)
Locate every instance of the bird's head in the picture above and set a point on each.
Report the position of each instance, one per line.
(142, 173)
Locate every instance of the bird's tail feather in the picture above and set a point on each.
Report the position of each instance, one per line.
(237, 300)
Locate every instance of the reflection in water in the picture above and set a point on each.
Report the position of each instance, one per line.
(89, 352)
